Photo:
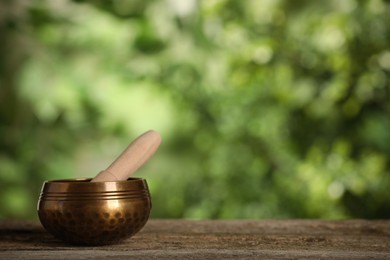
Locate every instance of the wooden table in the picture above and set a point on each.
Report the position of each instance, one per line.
(183, 239)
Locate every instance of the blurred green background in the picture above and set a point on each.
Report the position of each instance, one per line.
(267, 108)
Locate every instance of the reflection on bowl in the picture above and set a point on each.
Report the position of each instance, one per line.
(81, 212)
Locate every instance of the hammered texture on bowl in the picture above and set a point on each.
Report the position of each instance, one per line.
(94, 213)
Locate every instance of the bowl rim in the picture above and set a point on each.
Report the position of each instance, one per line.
(81, 185)
(88, 180)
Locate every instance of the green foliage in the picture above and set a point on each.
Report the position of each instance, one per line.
(268, 109)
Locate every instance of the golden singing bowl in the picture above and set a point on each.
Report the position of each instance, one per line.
(81, 212)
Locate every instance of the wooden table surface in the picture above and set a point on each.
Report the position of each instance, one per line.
(184, 239)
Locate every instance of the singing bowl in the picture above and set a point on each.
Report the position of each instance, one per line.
(81, 212)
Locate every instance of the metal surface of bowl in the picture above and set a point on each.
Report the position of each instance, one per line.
(81, 212)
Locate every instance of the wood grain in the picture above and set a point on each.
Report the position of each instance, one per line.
(235, 239)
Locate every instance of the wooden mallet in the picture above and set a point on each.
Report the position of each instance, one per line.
(132, 158)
